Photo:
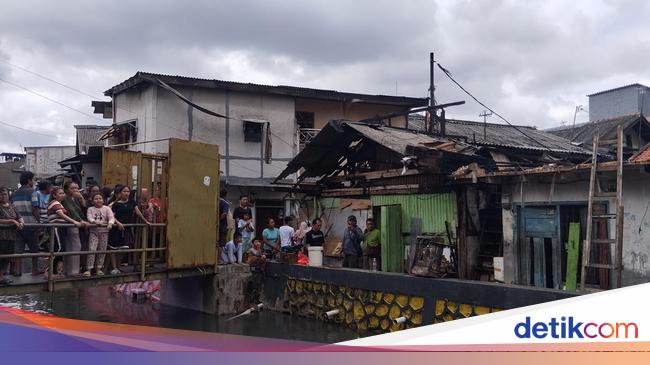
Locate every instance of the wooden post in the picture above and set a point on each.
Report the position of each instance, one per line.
(50, 274)
(587, 243)
(143, 256)
(619, 205)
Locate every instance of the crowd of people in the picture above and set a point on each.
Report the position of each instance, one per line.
(238, 243)
(97, 219)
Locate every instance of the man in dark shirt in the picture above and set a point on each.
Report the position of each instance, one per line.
(22, 202)
(352, 237)
(224, 207)
(315, 236)
(243, 207)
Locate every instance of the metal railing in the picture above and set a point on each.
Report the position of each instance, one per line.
(304, 136)
(141, 238)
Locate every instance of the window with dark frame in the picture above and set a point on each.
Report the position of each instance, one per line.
(252, 131)
(305, 119)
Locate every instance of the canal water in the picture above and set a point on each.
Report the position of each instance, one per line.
(103, 304)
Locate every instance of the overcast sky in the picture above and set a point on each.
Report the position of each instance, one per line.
(531, 61)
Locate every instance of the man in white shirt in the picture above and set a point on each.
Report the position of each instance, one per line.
(286, 234)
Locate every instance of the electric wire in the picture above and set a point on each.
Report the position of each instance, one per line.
(48, 98)
(27, 130)
(448, 74)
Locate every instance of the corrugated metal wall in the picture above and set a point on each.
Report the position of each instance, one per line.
(433, 209)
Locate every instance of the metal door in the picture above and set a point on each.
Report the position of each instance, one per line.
(193, 187)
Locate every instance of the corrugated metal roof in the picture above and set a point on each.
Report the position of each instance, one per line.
(618, 88)
(584, 133)
(393, 138)
(88, 135)
(502, 135)
(294, 91)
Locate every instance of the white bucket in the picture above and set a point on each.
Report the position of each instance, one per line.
(498, 269)
(315, 256)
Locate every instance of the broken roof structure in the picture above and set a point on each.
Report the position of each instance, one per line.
(636, 126)
(345, 148)
(348, 146)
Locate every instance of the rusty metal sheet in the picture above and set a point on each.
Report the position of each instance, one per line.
(193, 188)
(120, 167)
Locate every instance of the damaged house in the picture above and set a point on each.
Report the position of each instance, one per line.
(636, 133)
(259, 128)
(404, 179)
(545, 216)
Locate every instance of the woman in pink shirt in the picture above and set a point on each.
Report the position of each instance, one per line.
(102, 217)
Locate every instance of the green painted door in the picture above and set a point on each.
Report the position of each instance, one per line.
(392, 247)
(572, 256)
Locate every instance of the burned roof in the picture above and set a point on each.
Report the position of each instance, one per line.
(292, 91)
(506, 136)
(325, 152)
(88, 135)
(584, 133)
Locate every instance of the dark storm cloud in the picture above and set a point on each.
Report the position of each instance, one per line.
(531, 61)
(315, 32)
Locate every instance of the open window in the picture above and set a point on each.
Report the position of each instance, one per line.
(305, 119)
(253, 131)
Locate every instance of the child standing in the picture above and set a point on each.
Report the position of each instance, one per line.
(102, 216)
(246, 229)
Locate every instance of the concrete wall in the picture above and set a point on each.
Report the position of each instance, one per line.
(231, 291)
(636, 224)
(324, 111)
(138, 104)
(618, 102)
(160, 114)
(44, 161)
(369, 301)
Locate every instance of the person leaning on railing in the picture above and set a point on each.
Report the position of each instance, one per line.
(125, 210)
(56, 213)
(75, 204)
(102, 217)
(8, 216)
(28, 237)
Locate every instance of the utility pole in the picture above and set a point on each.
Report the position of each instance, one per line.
(485, 115)
(573, 128)
(432, 93)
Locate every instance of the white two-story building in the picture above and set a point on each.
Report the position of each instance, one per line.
(258, 128)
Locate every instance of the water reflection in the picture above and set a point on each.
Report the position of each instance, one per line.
(103, 304)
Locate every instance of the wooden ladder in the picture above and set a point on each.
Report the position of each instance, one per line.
(617, 215)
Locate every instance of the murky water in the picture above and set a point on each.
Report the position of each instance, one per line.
(102, 304)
